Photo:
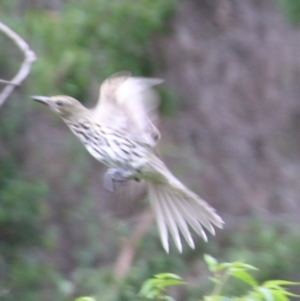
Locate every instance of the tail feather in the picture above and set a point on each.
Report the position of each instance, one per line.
(159, 214)
(176, 207)
(181, 221)
(204, 216)
(174, 212)
(193, 221)
(170, 219)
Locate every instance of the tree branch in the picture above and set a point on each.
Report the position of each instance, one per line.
(7, 82)
(128, 250)
(25, 68)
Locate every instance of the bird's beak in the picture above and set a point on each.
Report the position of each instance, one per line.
(42, 99)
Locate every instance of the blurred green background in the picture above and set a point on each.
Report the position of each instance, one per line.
(230, 130)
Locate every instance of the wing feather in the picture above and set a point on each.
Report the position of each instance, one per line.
(130, 104)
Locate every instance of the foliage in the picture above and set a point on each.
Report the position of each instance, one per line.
(21, 211)
(292, 10)
(155, 288)
(269, 290)
(267, 247)
(272, 290)
(87, 41)
(254, 244)
(85, 299)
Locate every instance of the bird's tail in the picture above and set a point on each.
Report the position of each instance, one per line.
(176, 207)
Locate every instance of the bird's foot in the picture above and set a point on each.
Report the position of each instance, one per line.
(115, 177)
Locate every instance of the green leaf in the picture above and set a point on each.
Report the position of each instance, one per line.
(278, 296)
(168, 279)
(286, 293)
(211, 262)
(170, 282)
(232, 265)
(282, 290)
(248, 299)
(154, 288)
(85, 299)
(167, 276)
(266, 293)
(167, 298)
(214, 280)
(225, 298)
(244, 276)
(223, 266)
(242, 265)
(146, 288)
(276, 283)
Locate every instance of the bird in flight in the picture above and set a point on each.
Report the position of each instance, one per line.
(121, 133)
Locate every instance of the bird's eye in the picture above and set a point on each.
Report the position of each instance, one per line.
(59, 103)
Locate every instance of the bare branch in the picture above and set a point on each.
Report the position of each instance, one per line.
(29, 55)
(127, 254)
(7, 82)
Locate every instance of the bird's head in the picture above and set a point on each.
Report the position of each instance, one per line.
(65, 106)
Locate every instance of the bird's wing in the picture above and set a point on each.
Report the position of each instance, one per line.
(130, 104)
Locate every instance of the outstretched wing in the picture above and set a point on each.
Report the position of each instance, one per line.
(130, 104)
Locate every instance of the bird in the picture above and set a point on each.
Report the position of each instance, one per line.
(120, 132)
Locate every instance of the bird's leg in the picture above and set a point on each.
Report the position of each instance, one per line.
(116, 176)
(120, 174)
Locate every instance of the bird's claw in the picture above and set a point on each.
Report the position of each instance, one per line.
(117, 175)
(114, 177)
